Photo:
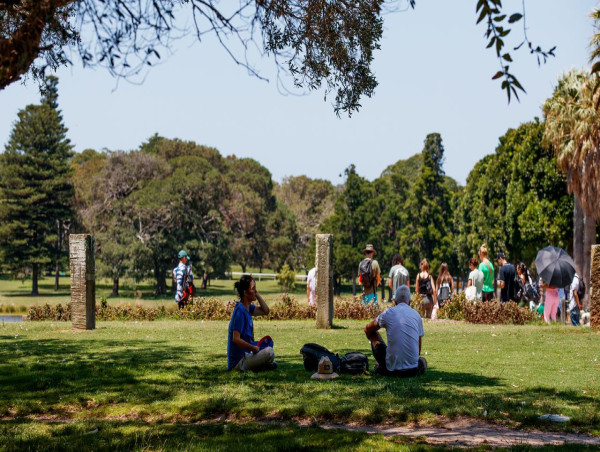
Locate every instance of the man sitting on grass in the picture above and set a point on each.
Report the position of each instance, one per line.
(404, 331)
(242, 352)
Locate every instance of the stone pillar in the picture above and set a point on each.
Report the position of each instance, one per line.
(82, 263)
(595, 288)
(324, 289)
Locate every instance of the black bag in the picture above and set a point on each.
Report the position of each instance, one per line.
(580, 289)
(532, 292)
(444, 294)
(366, 273)
(312, 354)
(354, 363)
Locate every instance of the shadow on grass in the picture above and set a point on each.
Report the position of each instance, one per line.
(159, 380)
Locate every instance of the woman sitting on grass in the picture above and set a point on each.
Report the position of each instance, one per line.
(242, 352)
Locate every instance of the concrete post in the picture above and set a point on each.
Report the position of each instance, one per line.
(563, 311)
(82, 264)
(595, 287)
(324, 289)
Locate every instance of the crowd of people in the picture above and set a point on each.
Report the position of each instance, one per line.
(403, 324)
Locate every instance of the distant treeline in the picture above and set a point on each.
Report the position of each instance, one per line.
(144, 205)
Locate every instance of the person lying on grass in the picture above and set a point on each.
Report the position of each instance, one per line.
(404, 331)
(242, 352)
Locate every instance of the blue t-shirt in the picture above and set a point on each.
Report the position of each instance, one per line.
(241, 320)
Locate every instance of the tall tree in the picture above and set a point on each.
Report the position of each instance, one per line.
(428, 233)
(311, 201)
(573, 129)
(35, 186)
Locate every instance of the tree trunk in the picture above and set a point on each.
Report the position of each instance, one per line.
(56, 276)
(34, 279)
(58, 250)
(589, 240)
(115, 291)
(578, 254)
(161, 285)
(354, 282)
(243, 268)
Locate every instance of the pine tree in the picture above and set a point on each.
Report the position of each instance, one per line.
(35, 186)
(428, 233)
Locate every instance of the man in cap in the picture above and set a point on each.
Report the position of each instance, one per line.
(369, 275)
(179, 272)
(506, 278)
(404, 327)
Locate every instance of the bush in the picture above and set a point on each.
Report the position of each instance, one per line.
(495, 312)
(453, 308)
(286, 278)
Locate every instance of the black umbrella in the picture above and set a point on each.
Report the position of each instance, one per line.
(555, 266)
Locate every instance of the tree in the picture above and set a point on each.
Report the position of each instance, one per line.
(35, 187)
(427, 233)
(515, 200)
(311, 201)
(573, 129)
(318, 43)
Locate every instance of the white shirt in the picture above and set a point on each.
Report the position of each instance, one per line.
(570, 297)
(311, 281)
(404, 327)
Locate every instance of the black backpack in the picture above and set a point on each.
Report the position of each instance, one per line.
(580, 289)
(366, 273)
(312, 353)
(187, 282)
(444, 293)
(354, 363)
(532, 291)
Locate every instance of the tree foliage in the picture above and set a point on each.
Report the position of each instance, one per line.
(35, 187)
(321, 44)
(515, 200)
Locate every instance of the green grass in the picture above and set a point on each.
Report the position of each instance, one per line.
(151, 379)
(15, 295)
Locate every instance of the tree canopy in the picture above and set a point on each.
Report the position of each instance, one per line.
(320, 44)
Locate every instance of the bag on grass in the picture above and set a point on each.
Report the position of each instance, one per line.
(312, 353)
(354, 363)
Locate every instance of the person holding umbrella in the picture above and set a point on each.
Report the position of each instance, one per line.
(556, 269)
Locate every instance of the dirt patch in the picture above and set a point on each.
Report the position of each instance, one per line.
(464, 432)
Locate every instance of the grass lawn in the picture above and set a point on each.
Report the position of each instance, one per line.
(162, 385)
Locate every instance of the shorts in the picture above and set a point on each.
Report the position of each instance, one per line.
(379, 352)
(369, 298)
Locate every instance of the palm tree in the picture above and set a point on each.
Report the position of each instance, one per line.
(573, 130)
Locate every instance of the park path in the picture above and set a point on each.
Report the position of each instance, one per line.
(469, 433)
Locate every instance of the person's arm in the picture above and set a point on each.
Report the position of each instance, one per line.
(262, 309)
(371, 329)
(576, 297)
(501, 282)
(241, 343)
(434, 289)
(390, 282)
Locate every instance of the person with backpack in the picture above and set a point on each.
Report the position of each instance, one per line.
(487, 291)
(404, 328)
(369, 275)
(506, 278)
(243, 353)
(426, 288)
(526, 293)
(444, 284)
(575, 297)
(183, 277)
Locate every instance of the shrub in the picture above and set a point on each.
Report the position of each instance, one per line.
(495, 312)
(286, 278)
(453, 308)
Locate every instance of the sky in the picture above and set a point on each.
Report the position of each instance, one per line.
(434, 75)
